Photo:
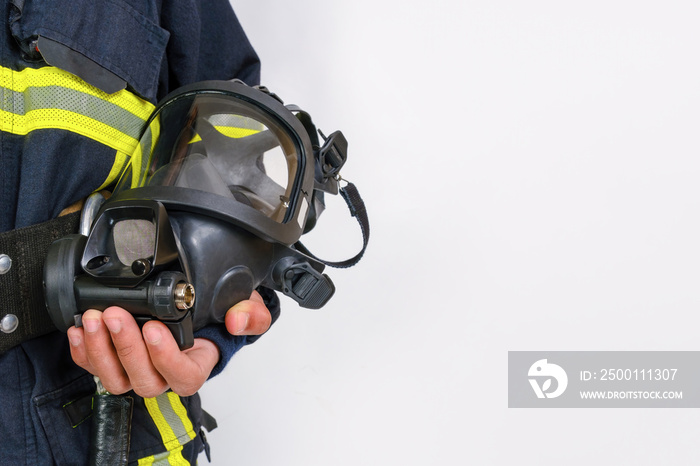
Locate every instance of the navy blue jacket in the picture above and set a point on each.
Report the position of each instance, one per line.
(155, 47)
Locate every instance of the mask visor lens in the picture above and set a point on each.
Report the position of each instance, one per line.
(222, 145)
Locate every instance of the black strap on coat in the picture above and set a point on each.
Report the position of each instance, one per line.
(21, 287)
(111, 430)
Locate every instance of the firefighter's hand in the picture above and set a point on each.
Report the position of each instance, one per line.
(111, 346)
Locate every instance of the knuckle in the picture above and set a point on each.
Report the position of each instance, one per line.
(93, 350)
(187, 389)
(150, 390)
(116, 387)
(124, 351)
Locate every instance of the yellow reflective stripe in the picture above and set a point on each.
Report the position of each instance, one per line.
(136, 161)
(139, 163)
(234, 132)
(175, 428)
(50, 98)
(69, 121)
(173, 458)
(120, 161)
(19, 81)
(229, 131)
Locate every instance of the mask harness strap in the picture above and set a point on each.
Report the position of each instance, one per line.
(330, 158)
(357, 209)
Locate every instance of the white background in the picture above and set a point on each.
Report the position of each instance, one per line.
(531, 169)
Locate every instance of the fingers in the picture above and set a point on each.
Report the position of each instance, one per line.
(132, 353)
(184, 371)
(249, 317)
(92, 349)
(111, 346)
(77, 349)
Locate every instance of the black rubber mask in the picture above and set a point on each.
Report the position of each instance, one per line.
(214, 200)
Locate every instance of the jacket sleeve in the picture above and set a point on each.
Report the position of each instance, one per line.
(229, 344)
(206, 42)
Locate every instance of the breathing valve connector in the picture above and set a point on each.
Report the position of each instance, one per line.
(167, 296)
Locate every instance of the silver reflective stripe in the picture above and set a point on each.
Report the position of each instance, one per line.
(63, 98)
(172, 418)
(163, 459)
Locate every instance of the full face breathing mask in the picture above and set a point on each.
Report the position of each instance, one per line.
(212, 204)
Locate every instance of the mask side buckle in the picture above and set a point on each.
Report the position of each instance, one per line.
(333, 154)
(306, 285)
